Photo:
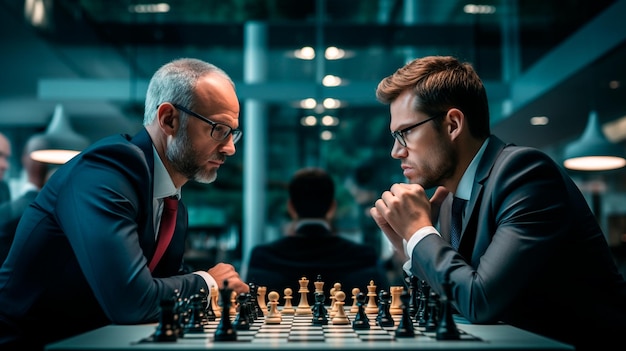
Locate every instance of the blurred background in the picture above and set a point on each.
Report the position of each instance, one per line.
(306, 73)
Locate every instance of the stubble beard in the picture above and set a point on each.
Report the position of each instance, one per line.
(181, 154)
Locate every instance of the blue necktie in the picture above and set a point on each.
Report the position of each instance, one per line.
(456, 222)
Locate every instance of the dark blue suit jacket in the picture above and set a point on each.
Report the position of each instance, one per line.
(531, 253)
(79, 257)
(311, 252)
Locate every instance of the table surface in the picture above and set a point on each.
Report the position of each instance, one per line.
(132, 337)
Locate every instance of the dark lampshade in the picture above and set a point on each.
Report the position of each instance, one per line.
(60, 142)
(593, 151)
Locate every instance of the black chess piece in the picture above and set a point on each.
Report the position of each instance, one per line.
(242, 320)
(320, 314)
(422, 311)
(447, 329)
(405, 327)
(194, 322)
(361, 320)
(384, 318)
(256, 310)
(225, 330)
(432, 307)
(166, 330)
(413, 287)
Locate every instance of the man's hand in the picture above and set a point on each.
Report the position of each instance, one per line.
(224, 271)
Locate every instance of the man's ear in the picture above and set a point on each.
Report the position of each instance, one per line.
(456, 122)
(331, 211)
(291, 210)
(169, 118)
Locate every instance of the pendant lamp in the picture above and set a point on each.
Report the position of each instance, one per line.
(593, 151)
(59, 143)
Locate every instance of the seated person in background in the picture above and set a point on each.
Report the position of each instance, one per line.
(313, 248)
(11, 211)
(5, 154)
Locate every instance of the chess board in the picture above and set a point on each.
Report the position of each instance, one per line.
(293, 330)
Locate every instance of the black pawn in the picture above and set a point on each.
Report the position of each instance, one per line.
(320, 314)
(422, 310)
(194, 322)
(167, 328)
(432, 307)
(384, 318)
(405, 326)
(242, 321)
(225, 330)
(447, 330)
(361, 321)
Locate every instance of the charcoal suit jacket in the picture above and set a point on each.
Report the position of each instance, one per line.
(80, 253)
(531, 253)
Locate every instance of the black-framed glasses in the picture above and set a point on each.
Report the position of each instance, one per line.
(219, 131)
(399, 134)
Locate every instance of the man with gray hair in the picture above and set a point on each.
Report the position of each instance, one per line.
(88, 251)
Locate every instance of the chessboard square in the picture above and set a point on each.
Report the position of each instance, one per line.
(274, 327)
(376, 337)
(371, 332)
(307, 327)
(306, 332)
(306, 338)
(272, 335)
(342, 335)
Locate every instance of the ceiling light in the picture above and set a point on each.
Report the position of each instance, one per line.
(593, 151)
(60, 142)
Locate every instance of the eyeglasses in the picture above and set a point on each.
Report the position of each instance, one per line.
(220, 131)
(399, 134)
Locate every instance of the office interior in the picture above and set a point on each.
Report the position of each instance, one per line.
(306, 73)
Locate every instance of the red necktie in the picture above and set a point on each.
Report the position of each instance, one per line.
(166, 229)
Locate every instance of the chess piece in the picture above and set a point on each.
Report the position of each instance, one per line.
(372, 307)
(384, 318)
(273, 315)
(288, 307)
(422, 311)
(432, 306)
(166, 329)
(242, 320)
(225, 330)
(361, 321)
(405, 327)
(355, 307)
(304, 309)
(209, 315)
(319, 310)
(414, 291)
(214, 302)
(333, 308)
(447, 330)
(319, 284)
(261, 293)
(194, 322)
(256, 310)
(395, 306)
(340, 314)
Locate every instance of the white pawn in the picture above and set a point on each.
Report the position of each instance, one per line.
(340, 315)
(288, 307)
(355, 306)
(273, 315)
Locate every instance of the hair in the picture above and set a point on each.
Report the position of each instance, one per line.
(312, 192)
(176, 82)
(441, 83)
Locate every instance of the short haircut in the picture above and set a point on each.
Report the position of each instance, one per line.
(312, 192)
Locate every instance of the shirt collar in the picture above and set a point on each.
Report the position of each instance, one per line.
(464, 190)
(163, 185)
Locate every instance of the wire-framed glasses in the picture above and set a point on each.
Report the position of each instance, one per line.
(399, 134)
(219, 131)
